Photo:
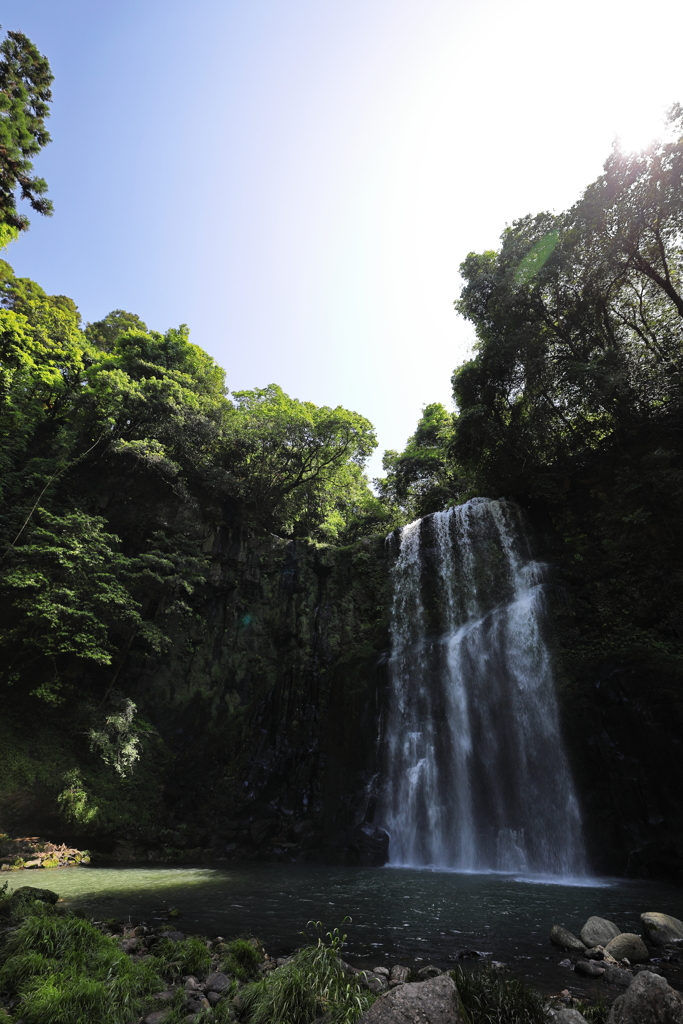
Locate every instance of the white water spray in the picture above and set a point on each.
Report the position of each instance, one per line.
(475, 775)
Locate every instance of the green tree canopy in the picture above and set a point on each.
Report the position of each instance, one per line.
(578, 320)
(421, 479)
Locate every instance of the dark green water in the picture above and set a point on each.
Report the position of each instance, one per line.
(398, 914)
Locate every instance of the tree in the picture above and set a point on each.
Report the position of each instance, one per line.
(283, 455)
(578, 320)
(421, 479)
(25, 80)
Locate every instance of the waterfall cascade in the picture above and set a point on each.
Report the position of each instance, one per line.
(475, 776)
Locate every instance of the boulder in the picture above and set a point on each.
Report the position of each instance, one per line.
(217, 982)
(399, 975)
(563, 938)
(568, 1015)
(617, 976)
(589, 969)
(598, 931)
(428, 1002)
(648, 1000)
(430, 971)
(600, 953)
(372, 844)
(195, 1002)
(628, 946)
(660, 929)
(173, 936)
(158, 1017)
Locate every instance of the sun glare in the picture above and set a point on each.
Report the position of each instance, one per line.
(640, 129)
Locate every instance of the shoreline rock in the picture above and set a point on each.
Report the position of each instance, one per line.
(34, 853)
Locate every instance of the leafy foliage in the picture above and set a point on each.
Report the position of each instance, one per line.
(582, 345)
(119, 449)
(421, 478)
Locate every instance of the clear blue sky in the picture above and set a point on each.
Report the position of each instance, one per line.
(298, 180)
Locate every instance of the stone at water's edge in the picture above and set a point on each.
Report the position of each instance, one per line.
(373, 845)
(568, 1016)
(589, 969)
(598, 931)
(628, 946)
(565, 939)
(419, 1002)
(648, 1000)
(661, 929)
(618, 976)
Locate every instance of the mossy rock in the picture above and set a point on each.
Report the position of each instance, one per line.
(51, 862)
(15, 905)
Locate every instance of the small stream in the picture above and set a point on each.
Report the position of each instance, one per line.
(401, 915)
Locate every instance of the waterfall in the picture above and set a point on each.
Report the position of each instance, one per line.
(475, 776)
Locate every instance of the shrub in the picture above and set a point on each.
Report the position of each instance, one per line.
(491, 996)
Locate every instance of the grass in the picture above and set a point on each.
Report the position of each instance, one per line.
(491, 996)
(242, 960)
(311, 986)
(596, 1013)
(179, 958)
(67, 972)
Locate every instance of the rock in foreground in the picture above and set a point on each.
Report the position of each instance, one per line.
(660, 929)
(649, 999)
(419, 1002)
(629, 946)
(598, 931)
(565, 939)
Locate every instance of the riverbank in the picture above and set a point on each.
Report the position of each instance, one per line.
(397, 916)
(60, 967)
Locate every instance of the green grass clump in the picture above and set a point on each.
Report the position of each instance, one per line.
(312, 986)
(491, 996)
(179, 958)
(595, 1013)
(67, 972)
(242, 960)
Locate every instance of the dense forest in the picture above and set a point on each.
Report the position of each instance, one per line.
(194, 583)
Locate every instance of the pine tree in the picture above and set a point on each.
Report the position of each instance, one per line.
(25, 80)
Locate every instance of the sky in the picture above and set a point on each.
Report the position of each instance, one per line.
(299, 180)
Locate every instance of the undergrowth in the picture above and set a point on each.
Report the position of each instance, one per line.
(242, 959)
(597, 1013)
(67, 972)
(178, 958)
(491, 996)
(311, 986)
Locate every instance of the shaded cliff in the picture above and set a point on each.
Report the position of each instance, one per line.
(261, 721)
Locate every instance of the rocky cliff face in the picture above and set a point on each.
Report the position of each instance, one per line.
(269, 705)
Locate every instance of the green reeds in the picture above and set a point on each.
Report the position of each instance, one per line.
(312, 986)
(491, 996)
